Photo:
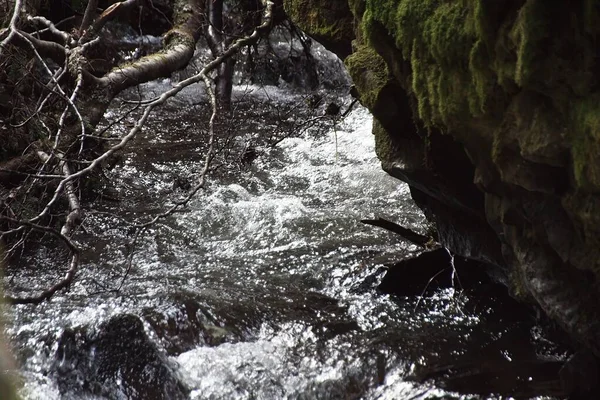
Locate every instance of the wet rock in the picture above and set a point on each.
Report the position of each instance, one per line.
(332, 109)
(415, 276)
(331, 25)
(185, 326)
(296, 60)
(181, 182)
(248, 155)
(520, 380)
(430, 271)
(511, 364)
(116, 360)
(370, 282)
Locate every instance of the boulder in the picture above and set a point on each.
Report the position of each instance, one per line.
(116, 360)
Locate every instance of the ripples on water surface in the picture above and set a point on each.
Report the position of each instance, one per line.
(262, 253)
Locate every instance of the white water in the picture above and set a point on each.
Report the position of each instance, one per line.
(300, 212)
(259, 250)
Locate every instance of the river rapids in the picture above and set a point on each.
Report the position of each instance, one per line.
(265, 285)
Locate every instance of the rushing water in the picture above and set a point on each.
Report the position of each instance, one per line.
(264, 287)
(279, 270)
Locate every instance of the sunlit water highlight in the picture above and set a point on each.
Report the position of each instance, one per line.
(264, 252)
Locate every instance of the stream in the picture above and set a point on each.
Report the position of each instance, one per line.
(265, 285)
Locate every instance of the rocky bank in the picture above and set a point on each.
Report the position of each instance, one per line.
(490, 111)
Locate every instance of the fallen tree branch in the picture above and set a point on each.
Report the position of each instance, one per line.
(64, 36)
(407, 234)
(88, 16)
(42, 228)
(12, 28)
(178, 49)
(116, 10)
(48, 293)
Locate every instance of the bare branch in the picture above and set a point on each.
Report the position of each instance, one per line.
(48, 293)
(42, 228)
(267, 19)
(207, 160)
(71, 103)
(113, 12)
(64, 36)
(72, 220)
(178, 48)
(151, 67)
(88, 16)
(75, 214)
(44, 48)
(405, 233)
(13, 25)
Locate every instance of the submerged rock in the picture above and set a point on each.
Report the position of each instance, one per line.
(115, 360)
(430, 271)
(187, 325)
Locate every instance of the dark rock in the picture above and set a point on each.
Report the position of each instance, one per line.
(415, 276)
(328, 22)
(314, 100)
(370, 282)
(580, 377)
(515, 379)
(430, 271)
(115, 360)
(185, 326)
(332, 109)
(249, 154)
(181, 183)
(290, 56)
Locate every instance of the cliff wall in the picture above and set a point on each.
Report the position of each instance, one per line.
(490, 111)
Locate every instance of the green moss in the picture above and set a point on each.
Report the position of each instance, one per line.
(585, 137)
(518, 288)
(591, 14)
(529, 30)
(369, 73)
(460, 51)
(384, 148)
(330, 23)
(470, 58)
(357, 7)
(445, 43)
(482, 77)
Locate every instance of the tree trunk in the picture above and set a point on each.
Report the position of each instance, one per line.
(218, 42)
(224, 84)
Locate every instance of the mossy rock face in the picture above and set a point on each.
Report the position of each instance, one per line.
(446, 54)
(385, 149)
(328, 22)
(514, 85)
(469, 57)
(369, 73)
(585, 125)
(490, 111)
